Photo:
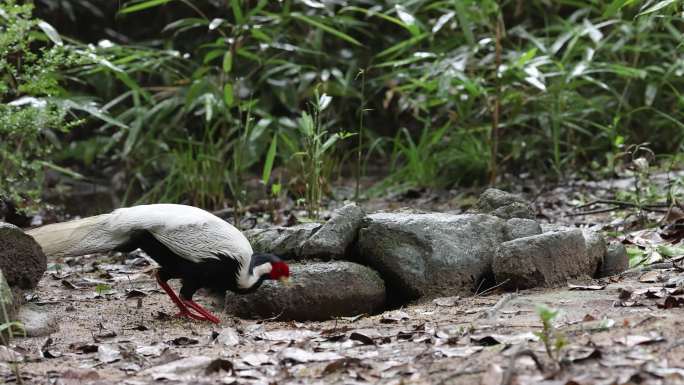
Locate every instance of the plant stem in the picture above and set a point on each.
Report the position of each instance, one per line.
(497, 103)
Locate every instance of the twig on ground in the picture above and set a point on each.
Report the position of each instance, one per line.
(492, 288)
(623, 204)
(489, 314)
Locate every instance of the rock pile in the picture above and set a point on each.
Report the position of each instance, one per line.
(398, 257)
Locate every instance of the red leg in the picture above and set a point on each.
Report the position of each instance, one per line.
(184, 311)
(204, 312)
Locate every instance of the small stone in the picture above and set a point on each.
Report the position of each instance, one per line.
(615, 261)
(318, 291)
(547, 259)
(37, 321)
(521, 228)
(504, 205)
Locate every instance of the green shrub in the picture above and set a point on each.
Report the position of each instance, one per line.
(31, 114)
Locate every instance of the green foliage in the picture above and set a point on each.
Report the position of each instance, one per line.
(316, 143)
(31, 114)
(450, 92)
(553, 340)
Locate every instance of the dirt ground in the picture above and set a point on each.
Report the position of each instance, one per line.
(116, 326)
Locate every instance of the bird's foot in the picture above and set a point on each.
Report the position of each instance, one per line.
(205, 314)
(191, 315)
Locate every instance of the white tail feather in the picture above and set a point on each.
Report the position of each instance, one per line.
(73, 238)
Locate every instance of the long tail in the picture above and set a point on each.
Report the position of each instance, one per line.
(78, 237)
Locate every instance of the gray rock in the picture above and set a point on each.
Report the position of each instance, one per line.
(521, 228)
(431, 254)
(595, 242)
(8, 308)
(37, 321)
(283, 241)
(21, 258)
(318, 291)
(334, 237)
(504, 205)
(616, 260)
(596, 248)
(547, 259)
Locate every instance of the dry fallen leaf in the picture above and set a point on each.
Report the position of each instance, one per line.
(634, 340)
(493, 375)
(151, 350)
(651, 277)
(462, 351)
(228, 337)
(586, 287)
(300, 355)
(394, 317)
(179, 369)
(446, 301)
(256, 359)
(108, 353)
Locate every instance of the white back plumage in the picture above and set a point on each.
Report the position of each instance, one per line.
(190, 232)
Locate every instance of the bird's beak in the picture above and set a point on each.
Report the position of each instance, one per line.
(285, 281)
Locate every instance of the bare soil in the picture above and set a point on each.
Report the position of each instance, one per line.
(117, 327)
(107, 338)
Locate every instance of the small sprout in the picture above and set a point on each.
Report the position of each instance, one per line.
(102, 288)
(553, 340)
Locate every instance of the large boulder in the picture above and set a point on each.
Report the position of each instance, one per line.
(547, 259)
(318, 291)
(333, 238)
(504, 205)
(431, 254)
(21, 258)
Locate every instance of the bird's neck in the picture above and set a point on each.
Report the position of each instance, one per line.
(253, 277)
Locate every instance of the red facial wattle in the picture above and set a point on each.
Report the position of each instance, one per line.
(279, 270)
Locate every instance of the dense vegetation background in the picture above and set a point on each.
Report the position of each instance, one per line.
(186, 101)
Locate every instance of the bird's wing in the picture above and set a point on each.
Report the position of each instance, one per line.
(198, 242)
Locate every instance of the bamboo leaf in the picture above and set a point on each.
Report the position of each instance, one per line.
(656, 7)
(139, 6)
(51, 32)
(228, 97)
(402, 45)
(270, 157)
(237, 11)
(325, 28)
(227, 61)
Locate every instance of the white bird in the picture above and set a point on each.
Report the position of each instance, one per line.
(189, 243)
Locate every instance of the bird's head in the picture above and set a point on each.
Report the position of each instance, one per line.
(271, 267)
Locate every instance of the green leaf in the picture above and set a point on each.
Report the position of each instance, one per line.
(139, 6)
(656, 7)
(404, 44)
(270, 157)
(227, 61)
(237, 11)
(615, 6)
(51, 32)
(228, 96)
(213, 54)
(527, 56)
(382, 16)
(326, 28)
